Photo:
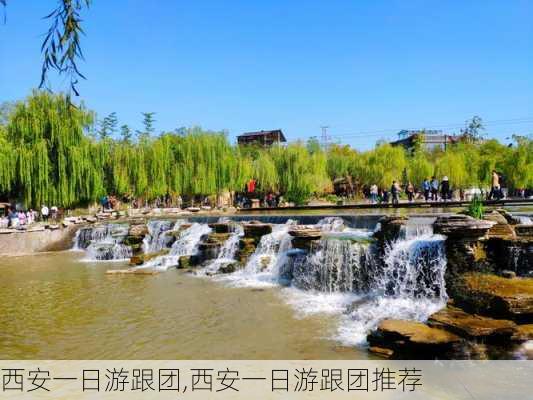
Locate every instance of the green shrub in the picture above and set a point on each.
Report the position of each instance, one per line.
(476, 208)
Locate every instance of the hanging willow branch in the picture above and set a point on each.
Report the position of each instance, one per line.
(61, 47)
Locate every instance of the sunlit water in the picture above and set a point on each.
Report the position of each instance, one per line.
(54, 306)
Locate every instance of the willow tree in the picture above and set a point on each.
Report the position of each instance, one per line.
(8, 163)
(453, 165)
(341, 161)
(265, 172)
(55, 163)
(383, 165)
(419, 168)
(492, 155)
(300, 174)
(518, 164)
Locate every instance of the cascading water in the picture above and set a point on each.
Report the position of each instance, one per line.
(341, 273)
(103, 243)
(227, 252)
(409, 284)
(185, 245)
(344, 272)
(334, 265)
(525, 220)
(331, 224)
(157, 238)
(262, 269)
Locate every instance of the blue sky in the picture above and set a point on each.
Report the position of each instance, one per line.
(364, 68)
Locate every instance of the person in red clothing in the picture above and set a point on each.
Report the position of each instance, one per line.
(251, 186)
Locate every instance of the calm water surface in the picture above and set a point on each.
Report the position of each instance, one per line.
(55, 307)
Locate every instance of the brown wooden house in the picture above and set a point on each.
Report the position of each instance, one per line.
(261, 138)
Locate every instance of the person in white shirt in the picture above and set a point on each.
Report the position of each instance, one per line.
(45, 212)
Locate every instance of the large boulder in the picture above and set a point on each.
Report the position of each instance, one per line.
(246, 249)
(523, 333)
(462, 227)
(256, 229)
(228, 267)
(412, 339)
(139, 230)
(221, 227)
(185, 262)
(209, 248)
(305, 231)
(390, 228)
(501, 228)
(305, 236)
(472, 326)
(498, 297)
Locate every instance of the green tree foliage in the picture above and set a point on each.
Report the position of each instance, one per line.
(383, 165)
(419, 168)
(108, 126)
(54, 159)
(518, 165)
(148, 125)
(125, 133)
(48, 155)
(301, 174)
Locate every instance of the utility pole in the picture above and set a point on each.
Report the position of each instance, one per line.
(325, 137)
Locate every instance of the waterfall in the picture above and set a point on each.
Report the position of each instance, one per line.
(334, 265)
(227, 252)
(185, 245)
(103, 243)
(262, 269)
(331, 224)
(409, 285)
(524, 220)
(157, 238)
(345, 272)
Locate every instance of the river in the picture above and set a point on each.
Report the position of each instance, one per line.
(55, 306)
(288, 299)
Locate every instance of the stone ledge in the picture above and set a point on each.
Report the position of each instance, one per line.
(471, 326)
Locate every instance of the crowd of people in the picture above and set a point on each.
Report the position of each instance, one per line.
(18, 218)
(431, 189)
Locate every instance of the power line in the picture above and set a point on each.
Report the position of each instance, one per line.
(393, 131)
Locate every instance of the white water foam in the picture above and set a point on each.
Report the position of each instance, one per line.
(185, 245)
(262, 269)
(157, 238)
(524, 220)
(103, 243)
(226, 255)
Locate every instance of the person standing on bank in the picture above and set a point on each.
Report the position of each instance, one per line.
(495, 187)
(434, 188)
(374, 193)
(410, 190)
(426, 188)
(445, 188)
(395, 191)
(44, 213)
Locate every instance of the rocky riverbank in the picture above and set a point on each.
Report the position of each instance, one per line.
(490, 289)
